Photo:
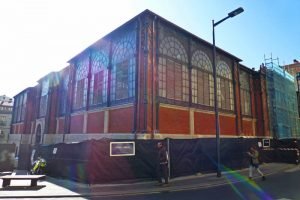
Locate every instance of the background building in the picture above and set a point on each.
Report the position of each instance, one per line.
(294, 70)
(6, 106)
(282, 102)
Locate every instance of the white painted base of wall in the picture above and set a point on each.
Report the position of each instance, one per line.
(14, 138)
(26, 139)
(69, 138)
(52, 138)
(74, 138)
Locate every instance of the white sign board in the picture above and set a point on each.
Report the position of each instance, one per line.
(122, 148)
(54, 150)
(266, 143)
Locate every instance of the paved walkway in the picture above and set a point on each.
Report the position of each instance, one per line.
(61, 188)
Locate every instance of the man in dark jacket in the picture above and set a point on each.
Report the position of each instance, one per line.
(162, 165)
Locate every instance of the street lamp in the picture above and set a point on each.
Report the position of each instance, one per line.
(298, 91)
(230, 15)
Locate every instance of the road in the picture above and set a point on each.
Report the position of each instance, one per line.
(281, 186)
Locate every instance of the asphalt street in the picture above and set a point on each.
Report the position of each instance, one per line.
(280, 186)
(282, 183)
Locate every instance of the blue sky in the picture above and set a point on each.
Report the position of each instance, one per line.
(40, 36)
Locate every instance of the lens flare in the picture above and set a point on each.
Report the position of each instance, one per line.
(234, 177)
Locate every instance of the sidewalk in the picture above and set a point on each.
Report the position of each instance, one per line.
(61, 188)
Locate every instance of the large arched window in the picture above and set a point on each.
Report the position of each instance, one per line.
(202, 79)
(81, 83)
(44, 98)
(24, 106)
(63, 92)
(20, 107)
(123, 67)
(245, 93)
(17, 109)
(224, 86)
(98, 86)
(172, 70)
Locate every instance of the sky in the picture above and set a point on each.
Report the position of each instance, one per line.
(40, 36)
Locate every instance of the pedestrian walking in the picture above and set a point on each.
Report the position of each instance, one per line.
(162, 164)
(254, 163)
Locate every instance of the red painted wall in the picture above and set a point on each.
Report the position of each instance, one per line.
(77, 124)
(21, 128)
(33, 127)
(95, 123)
(14, 129)
(18, 129)
(121, 120)
(227, 125)
(173, 121)
(247, 128)
(61, 124)
(204, 123)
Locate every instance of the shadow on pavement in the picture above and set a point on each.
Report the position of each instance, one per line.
(12, 188)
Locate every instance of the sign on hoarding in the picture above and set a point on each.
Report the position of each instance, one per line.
(122, 148)
(266, 143)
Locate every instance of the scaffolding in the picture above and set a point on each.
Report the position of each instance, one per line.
(282, 101)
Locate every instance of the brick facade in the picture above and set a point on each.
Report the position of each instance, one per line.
(142, 109)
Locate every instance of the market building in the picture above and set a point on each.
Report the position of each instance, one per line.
(145, 81)
(148, 79)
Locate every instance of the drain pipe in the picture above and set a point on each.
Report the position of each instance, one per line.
(146, 54)
(137, 78)
(154, 65)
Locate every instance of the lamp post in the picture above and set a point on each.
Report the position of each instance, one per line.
(298, 92)
(230, 15)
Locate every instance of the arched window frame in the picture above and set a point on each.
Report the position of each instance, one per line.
(99, 76)
(15, 113)
(245, 93)
(63, 92)
(173, 70)
(24, 106)
(20, 108)
(202, 79)
(224, 86)
(123, 68)
(81, 83)
(44, 97)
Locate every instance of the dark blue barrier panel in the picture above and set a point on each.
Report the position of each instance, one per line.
(90, 161)
(193, 156)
